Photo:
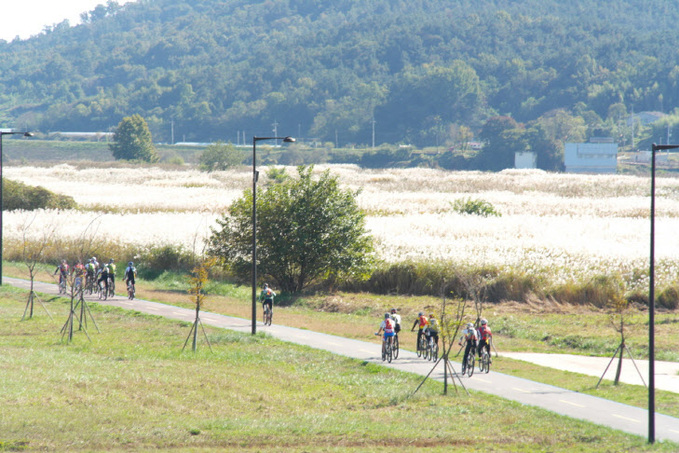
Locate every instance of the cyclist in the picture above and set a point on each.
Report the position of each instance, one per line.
(422, 321)
(470, 336)
(397, 320)
(103, 277)
(112, 272)
(433, 329)
(79, 271)
(90, 270)
(62, 270)
(130, 274)
(485, 336)
(266, 297)
(387, 326)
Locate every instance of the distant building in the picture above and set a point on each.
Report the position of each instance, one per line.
(598, 157)
(525, 160)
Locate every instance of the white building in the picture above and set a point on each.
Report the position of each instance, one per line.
(599, 157)
(525, 160)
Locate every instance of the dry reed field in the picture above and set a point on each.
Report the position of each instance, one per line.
(572, 225)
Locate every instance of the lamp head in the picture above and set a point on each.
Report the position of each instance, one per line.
(289, 140)
(28, 134)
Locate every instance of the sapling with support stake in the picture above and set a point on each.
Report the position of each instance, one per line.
(197, 291)
(447, 342)
(618, 306)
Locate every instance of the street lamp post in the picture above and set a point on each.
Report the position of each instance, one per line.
(2, 225)
(651, 302)
(255, 175)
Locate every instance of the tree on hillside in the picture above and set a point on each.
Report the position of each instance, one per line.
(308, 230)
(220, 156)
(132, 140)
(502, 137)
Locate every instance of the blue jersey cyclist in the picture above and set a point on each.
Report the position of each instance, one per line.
(388, 326)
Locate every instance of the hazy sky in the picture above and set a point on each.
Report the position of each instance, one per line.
(29, 17)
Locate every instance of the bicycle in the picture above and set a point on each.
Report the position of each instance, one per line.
(62, 285)
(103, 293)
(89, 284)
(484, 361)
(268, 315)
(469, 366)
(433, 349)
(387, 350)
(111, 288)
(422, 346)
(130, 291)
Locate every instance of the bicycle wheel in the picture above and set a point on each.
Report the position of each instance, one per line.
(418, 345)
(396, 347)
(435, 351)
(130, 292)
(471, 361)
(486, 360)
(102, 293)
(111, 288)
(389, 352)
(384, 350)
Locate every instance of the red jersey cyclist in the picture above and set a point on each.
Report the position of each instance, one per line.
(485, 337)
(423, 323)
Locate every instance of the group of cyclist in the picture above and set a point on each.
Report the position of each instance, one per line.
(475, 340)
(472, 339)
(93, 274)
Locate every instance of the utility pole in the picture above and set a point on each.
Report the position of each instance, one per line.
(373, 133)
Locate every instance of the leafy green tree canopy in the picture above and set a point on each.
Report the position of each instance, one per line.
(308, 230)
(17, 195)
(220, 156)
(132, 140)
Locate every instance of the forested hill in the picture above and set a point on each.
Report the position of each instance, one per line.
(327, 69)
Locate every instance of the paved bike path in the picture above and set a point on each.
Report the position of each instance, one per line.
(573, 404)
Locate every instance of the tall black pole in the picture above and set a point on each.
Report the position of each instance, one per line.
(255, 174)
(651, 301)
(651, 311)
(2, 224)
(254, 235)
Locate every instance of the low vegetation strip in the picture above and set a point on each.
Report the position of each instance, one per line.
(131, 388)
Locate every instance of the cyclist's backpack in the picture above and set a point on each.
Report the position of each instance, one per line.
(388, 324)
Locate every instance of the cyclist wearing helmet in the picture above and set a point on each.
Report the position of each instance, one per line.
(387, 326)
(470, 336)
(103, 277)
(112, 271)
(397, 320)
(433, 328)
(422, 321)
(130, 274)
(62, 270)
(485, 336)
(266, 297)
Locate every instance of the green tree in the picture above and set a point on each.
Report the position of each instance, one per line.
(220, 156)
(309, 230)
(132, 140)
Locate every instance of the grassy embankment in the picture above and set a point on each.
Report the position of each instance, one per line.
(131, 388)
(518, 327)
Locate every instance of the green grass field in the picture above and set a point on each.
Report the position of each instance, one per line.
(131, 388)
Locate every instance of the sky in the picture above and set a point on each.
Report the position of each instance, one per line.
(25, 18)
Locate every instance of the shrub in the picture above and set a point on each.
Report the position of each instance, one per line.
(476, 207)
(668, 298)
(17, 195)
